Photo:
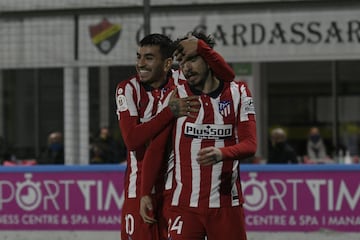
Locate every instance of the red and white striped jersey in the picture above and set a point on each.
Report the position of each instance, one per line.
(216, 125)
(226, 120)
(140, 118)
(137, 104)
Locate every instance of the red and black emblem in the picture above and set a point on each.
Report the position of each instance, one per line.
(105, 35)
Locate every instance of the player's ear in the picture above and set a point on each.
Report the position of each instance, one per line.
(168, 64)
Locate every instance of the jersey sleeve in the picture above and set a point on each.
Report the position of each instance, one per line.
(247, 142)
(246, 128)
(135, 133)
(154, 160)
(217, 63)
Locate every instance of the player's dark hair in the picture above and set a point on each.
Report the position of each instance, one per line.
(199, 35)
(165, 43)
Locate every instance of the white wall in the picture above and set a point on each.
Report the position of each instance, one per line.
(240, 37)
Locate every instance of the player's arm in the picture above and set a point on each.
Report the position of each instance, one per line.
(192, 46)
(135, 133)
(153, 162)
(244, 149)
(246, 132)
(246, 128)
(138, 134)
(217, 63)
(247, 142)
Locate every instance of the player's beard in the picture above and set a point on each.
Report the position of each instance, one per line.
(199, 84)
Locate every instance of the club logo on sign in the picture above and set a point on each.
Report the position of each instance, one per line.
(105, 35)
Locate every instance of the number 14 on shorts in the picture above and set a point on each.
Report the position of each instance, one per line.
(176, 225)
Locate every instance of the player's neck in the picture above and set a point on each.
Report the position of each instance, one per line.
(159, 84)
(211, 84)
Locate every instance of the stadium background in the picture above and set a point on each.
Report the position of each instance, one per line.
(59, 68)
(61, 75)
(59, 71)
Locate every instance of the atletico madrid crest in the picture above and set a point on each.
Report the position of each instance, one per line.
(224, 108)
(105, 35)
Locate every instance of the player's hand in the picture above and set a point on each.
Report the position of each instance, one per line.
(208, 156)
(186, 48)
(146, 210)
(187, 106)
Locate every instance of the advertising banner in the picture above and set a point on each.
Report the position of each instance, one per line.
(240, 37)
(277, 198)
(302, 201)
(84, 200)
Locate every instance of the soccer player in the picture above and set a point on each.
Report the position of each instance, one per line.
(206, 200)
(138, 103)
